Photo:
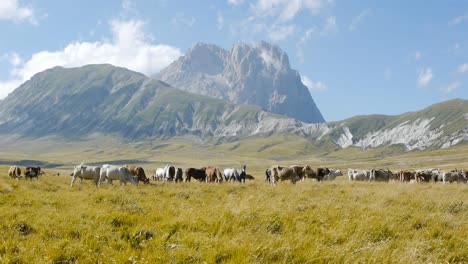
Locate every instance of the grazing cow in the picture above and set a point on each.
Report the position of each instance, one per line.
(169, 172)
(454, 176)
(235, 174)
(159, 174)
(249, 177)
(358, 175)
(14, 172)
(197, 174)
(428, 175)
(85, 172)
(303, 172)
(112, 172)
(32, 172)
(179, 175)
(139, 172)
(332, 175)
(293, 173)
(380, 175)
(406, 175)
(267, 175)
(322, 172)
(213, 174)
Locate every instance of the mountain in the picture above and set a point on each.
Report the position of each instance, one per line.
(254, 74)
(75, 103)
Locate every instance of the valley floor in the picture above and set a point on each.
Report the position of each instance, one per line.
(46, 221)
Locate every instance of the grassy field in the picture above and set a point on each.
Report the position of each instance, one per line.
(46, 221)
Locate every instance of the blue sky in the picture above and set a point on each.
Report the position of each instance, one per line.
(356, 57)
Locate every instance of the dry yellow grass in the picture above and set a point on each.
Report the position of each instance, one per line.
(47, 221)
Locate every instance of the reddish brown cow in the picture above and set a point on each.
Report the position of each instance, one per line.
(138, 172)
(198, 174)
(406, 176)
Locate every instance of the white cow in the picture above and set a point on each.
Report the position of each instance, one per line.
(235, 174)
(112, 172)
(332, 175)
(85, 172)
(160, 174)
(358, 175)
(169, 172)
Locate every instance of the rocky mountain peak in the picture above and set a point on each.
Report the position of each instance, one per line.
(250, 73)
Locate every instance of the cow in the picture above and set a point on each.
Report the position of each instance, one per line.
(112, 172)
(197, 174)
(406, 175)
(303, 172)
(213, 174)
(169, 172)
(14, 172)
(235, 174)
(322, 172)
(454, 176)
(380, 175)
(179, 175)
(358, 175)
(293, 173)
(249, 177)
(332, 175)
(32, 172)
(139, 172)
(428, 175)
(85, 172)
(159, 174)
(267, 175)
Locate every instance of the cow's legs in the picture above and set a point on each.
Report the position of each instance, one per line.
(72, 181)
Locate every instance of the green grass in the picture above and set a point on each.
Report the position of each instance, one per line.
(46, 221)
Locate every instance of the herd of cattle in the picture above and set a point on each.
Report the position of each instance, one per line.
(135, 174)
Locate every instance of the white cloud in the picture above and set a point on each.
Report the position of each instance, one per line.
(418, 55)
(424, 77)
(458, 20)
(359, 18)
(129, 47)
(288, 9)
(462, 69)
(330, 26)
(303, 41)
(279, 33)
(451, 87)
(10, 10)
(313, 87)
(235, 2)
(181, 20)
(220, 20)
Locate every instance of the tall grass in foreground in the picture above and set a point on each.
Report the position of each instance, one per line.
(46, 221)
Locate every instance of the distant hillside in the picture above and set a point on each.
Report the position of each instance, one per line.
(255, 74)
(75, 103)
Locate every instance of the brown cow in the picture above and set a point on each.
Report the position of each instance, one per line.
(198, 174)
(213, 175)
(304, 172)
(32, 172)
(14, 172)
(424, 175)
(406, 175)
(138, 172)
(293, 173)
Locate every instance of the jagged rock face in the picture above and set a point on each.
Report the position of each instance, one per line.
(257, 74)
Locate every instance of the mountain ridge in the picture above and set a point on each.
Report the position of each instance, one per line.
(77, 102)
